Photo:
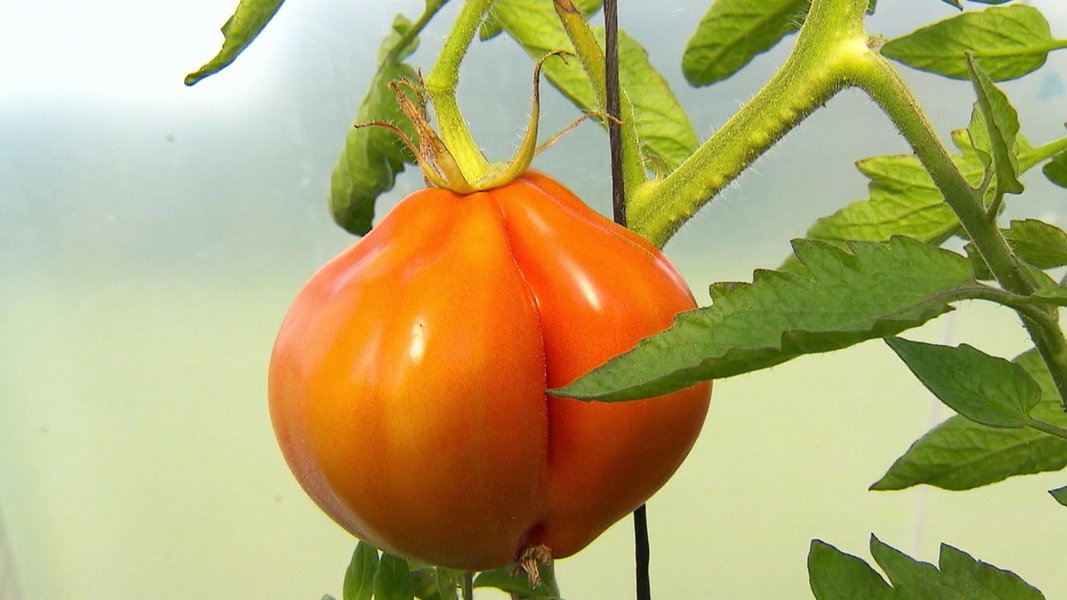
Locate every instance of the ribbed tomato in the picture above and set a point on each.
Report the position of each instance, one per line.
(407, 383)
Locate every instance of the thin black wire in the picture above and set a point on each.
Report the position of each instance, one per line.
(618, 207)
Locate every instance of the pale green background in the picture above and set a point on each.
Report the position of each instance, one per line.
(151, 237)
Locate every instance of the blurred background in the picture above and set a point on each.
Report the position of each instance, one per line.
(152, 236)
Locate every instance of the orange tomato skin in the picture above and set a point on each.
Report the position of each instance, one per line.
(407, 383)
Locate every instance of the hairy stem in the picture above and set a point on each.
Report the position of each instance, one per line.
(813, 73)
(441, 83)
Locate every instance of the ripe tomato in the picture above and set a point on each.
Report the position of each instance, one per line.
(407, 384)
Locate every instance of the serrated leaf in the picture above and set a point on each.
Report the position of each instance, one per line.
(359, 577)
(1060, 495)
(239, 31)
(662, 125)
(1001, 124)
(840, 298)
(985, 389)
(393, 580)
(912, 578)
(978, 580)
(904, 200)
(1056, 169)
(1038, 243)
(373, 156)
(733, 32)
(834, 575)
(960, 454)
(1008, 42)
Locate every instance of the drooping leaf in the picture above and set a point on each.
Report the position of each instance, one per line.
(1056, 169)
(985, 389)
(904, 200)
(978, 580)
(239, 30)
(834, 575)
(1038, 243)
(1060, 495)
(359, 577)
(1007, 41)
(960, 454)
(1001, 124)
(662, 125)
(838, 299)
(733, 32)
(393, 580)
(373, 156)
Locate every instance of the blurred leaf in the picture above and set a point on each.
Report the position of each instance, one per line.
(518, 584)
(1056, 169)
(1060, 494)
(960, 454)
(985, 389)
(359, 577)
(978, 580)
(491, 27)
(840, 298)
(911, 578)
(372, 156)
(834, 575)
(732, 32)
(662, 124)
(1001, 124)
(1008, 42)
(239, 30)
(393, 580)
(1038, 243)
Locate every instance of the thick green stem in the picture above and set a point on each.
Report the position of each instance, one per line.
(832, 35)
(1048, 428)
(883, 83)
(441, 85)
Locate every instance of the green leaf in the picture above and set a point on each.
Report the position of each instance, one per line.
(239, 30)
(1060, 494)
(359, 577)
(661, 123)
(912, 578)
(904, 200)
(1001, 124)
(834, 575)
(838, 299)
(393, 580)
(978, 580)
(1038, 243)
(985, 389)
(960, 454)
(490, 27)
(1008, 42)
(373, 156)
(1056, 169)
(733, 32)
(517, 584)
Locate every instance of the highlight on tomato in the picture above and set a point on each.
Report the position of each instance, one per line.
(407, 385)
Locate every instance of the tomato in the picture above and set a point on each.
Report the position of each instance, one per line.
(407, 383)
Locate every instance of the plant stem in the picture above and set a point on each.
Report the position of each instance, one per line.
(468, 585)
(416, 28)
(441, 83)
(888, 90)
(1048, 428)
(813, 73)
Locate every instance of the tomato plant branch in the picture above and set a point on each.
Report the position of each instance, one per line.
(593, 61)
(1048, 428)
(831, 36)
(441, 83)
(879, 79)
